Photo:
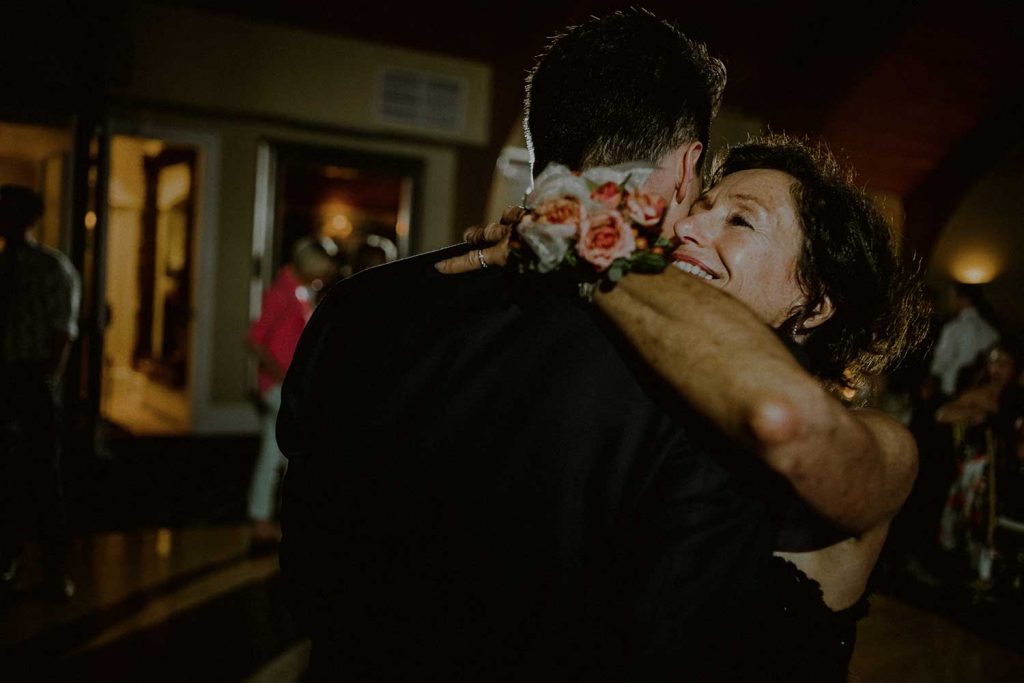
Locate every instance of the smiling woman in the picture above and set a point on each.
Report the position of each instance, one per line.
(847, 261)
(743, 236)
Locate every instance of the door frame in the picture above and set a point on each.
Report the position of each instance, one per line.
(269, 154)
(202, 417)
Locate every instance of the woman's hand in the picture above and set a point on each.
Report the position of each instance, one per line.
(492, 242)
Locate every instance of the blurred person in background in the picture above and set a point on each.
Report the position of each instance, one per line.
(995, 393)
(961, 340)
(39, 299)
(986, 420)
(287, 307)
(956, 361)
(374, 251)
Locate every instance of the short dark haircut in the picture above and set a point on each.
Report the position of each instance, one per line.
(619, 88)
(971, 292)
(21, 205)
(849, 255)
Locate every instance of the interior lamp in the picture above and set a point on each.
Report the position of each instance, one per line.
(974, 267)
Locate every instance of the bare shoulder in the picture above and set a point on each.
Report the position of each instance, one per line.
(897, 450)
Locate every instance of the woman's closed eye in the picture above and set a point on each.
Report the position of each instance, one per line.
(740, 221)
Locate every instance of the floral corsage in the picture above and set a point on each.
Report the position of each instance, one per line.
(597, 223)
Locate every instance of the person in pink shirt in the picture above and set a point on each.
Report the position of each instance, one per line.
(287, 306)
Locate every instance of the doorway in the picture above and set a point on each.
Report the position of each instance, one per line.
(149, 261)
(363, 207)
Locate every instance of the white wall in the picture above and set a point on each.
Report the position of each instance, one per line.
(209, 61)
(986, 231)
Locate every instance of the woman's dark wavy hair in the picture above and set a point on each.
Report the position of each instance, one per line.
(848, 255)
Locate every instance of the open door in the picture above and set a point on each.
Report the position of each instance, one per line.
(149, 291)
(366, 204)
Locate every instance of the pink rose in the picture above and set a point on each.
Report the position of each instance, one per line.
(608, 194)
(645, 210)
(605, 237)
(561, 211)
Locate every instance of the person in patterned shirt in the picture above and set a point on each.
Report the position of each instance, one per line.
(39, 297)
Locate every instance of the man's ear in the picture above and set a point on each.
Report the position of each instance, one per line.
(821, 313)
(688, 186)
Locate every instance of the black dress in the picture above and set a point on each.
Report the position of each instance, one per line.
(802, 638)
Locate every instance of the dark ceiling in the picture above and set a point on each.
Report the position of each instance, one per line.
(921, 97)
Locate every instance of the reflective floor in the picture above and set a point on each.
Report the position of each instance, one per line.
(191, 605)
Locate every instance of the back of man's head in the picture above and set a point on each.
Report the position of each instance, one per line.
(619, 88)
(968, 295)
(20, 208)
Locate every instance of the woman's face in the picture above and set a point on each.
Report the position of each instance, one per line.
(744, 237)
(1002, 368)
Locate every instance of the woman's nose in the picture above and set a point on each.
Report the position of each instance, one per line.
(694, 228)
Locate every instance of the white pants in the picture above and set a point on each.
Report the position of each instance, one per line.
(270, 462)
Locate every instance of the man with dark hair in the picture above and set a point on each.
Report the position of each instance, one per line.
(665, 94)
(39, 295)
(508, 497)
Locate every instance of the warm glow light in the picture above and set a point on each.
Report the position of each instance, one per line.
(334, 221)
(338, 227)
(90, 220)
(163, 542)
(975, 267)
(975, 275)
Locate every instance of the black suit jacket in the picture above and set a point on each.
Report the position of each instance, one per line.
(485, 484)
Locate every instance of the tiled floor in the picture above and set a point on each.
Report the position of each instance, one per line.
(162, 605)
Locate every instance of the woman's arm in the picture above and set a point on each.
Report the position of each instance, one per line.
(974, 405)
(854, 467)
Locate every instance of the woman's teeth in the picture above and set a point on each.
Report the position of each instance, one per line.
(692, 269)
